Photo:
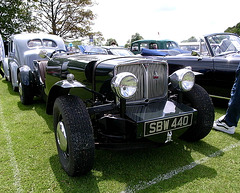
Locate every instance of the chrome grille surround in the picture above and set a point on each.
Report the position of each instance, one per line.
(152, 78)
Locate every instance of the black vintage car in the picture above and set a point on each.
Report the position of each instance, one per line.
(112, 102)
(217, 60)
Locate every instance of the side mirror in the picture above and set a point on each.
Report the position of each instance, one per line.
(43, 54)
(195, 53)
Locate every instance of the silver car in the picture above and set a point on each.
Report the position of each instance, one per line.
(23, 49)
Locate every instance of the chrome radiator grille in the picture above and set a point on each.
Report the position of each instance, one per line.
(152, 78)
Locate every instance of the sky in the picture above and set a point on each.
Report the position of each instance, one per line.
(169, 19)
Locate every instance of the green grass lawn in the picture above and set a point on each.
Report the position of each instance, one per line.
(29, 160)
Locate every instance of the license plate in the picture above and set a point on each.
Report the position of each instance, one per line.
(168, 124)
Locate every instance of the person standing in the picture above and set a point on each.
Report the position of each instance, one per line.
(228, 122)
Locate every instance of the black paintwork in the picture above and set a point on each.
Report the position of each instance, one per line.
(218, 71)
(112, 122)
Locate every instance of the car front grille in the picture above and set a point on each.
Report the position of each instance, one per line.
(152, 78)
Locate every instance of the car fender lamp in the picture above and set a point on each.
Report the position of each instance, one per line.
(183, 79)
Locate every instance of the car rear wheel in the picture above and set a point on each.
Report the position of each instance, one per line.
(74, 135)
(199, 99)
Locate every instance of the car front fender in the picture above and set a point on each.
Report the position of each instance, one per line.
(24, 72)
(13, 68)
(61, 88)
(6, 69)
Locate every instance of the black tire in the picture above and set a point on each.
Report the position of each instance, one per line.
(25, 92)
(75, 141)
(199, 99)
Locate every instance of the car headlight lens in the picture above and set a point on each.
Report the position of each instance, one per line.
(124, 85)
(183, 80)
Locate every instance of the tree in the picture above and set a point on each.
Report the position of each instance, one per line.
(66, 18)
(235, 29)
(134, 37)
(111, 42)
(191, 39)
(15, 17)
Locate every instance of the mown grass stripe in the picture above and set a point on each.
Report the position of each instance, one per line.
(9, 149)
(144, 184)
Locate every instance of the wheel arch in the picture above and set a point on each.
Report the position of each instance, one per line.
(59, 89)
(23, 74)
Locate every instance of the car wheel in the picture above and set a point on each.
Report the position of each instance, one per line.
(74, 135)
(25, 93)
(199, 99)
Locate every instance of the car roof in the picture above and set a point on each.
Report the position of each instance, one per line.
(164, 40)
(28, 36)
(22, 39)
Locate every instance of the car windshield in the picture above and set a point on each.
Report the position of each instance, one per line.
(171, 45)
(39, 43)
(222, 44)
(121, 52)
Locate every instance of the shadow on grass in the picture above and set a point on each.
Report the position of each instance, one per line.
(87, 183)
(40, 107)
(10, 88)
(114, 168)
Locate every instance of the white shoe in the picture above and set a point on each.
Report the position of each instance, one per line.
(220, 125)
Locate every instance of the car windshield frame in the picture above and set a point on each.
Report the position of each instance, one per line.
(223, 44)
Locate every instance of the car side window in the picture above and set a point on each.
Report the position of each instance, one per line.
(153, 46)
(143, 45)
(203, 48)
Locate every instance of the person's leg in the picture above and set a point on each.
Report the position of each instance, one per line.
(233, 110)
(228, 122)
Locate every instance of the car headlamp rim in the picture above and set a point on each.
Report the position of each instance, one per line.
(183, 80)
(124, 85)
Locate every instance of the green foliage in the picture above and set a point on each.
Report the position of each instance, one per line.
(235, 29)
(15, 17)
(191, 39)
(134, 37)
(66, 18)
(111, 42)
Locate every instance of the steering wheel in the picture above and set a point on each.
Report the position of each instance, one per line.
(55, 51)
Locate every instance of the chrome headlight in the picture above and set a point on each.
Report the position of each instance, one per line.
(124, 85)
(183, 80)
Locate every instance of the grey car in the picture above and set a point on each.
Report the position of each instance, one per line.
(23, 49)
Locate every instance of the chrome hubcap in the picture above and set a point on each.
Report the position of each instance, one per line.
(61, 136)
(20, 88)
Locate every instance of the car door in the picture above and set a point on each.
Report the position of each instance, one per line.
(225, 68)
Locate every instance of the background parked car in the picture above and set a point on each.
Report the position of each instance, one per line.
(118, 51)
(217, 60)
(137, 46)
(23, 49)
(105, 50)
